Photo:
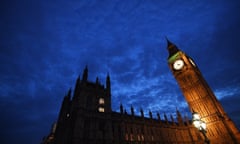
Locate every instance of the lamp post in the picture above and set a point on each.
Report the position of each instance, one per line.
(200, 125)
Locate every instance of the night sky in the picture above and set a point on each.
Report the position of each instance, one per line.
(46, 44)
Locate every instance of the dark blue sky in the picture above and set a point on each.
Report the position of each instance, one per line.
(45, 45)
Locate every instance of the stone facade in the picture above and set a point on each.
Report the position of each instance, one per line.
(86, 116)
(200, 97)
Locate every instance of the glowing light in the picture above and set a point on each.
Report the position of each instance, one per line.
(101, 109)
(203, 125)
(197, 124)
(196, 116)
(101, 101)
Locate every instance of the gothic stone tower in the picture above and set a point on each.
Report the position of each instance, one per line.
(85, 118)
(200, 97)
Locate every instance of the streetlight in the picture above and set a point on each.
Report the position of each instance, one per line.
(200, 125)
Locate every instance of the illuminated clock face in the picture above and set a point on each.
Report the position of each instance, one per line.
(178, 64)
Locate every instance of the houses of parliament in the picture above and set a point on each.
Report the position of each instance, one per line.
(86, 116)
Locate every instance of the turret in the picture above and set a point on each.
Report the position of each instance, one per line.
(158, 116)
(97, 80)
(108, 84)
(121, 108)
(172, 119)
(108, 93)
(179, 117)
(142, 113)
(186, 120)
(132, 110)
(165, 117)
(150, 114)
(85, 75)
(172, 49)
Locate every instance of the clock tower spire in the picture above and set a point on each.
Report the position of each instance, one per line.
(200, 97)
(172, 49)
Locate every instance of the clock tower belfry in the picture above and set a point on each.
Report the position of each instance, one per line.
(200, 97)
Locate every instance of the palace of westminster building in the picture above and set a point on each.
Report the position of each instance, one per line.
(86, 116)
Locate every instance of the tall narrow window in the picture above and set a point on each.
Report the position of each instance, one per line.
(101, 101)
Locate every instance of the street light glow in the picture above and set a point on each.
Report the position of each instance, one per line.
(200, 125)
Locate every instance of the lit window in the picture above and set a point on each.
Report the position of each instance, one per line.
(138, 138)
(101, 109)
(126, 137)
(142, 137)
(101, 101)
(131, 137)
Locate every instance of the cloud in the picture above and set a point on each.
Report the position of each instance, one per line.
(229, 98)
(227, 92)
(155, 94)
(46, 45)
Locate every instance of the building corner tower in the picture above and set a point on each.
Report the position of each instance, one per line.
(200, 97)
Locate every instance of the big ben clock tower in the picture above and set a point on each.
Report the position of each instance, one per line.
(200, 97)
